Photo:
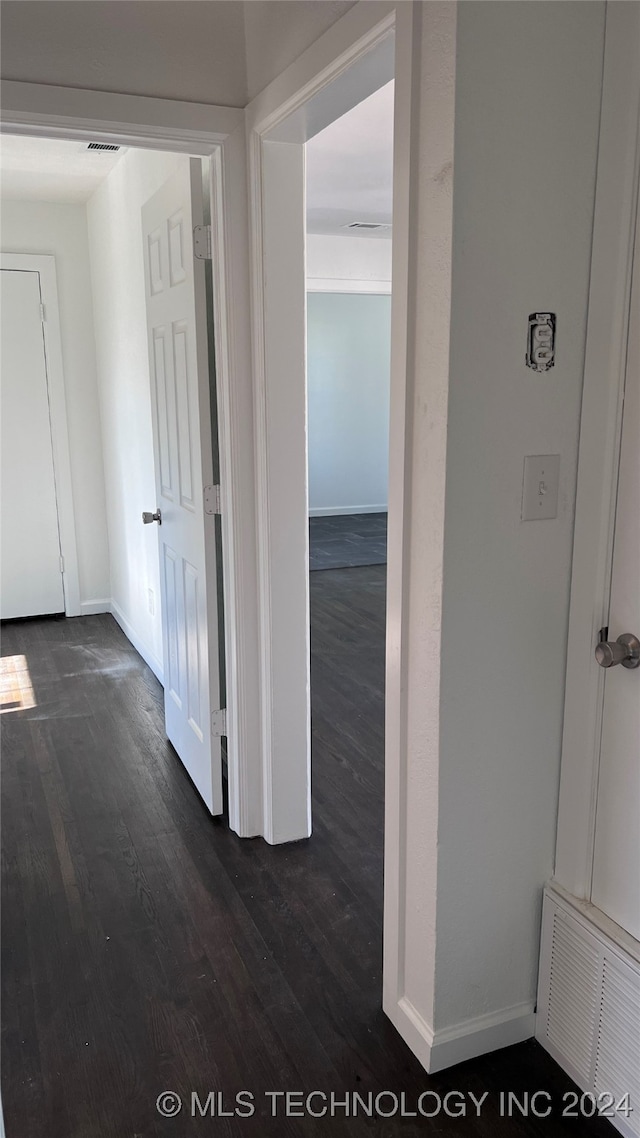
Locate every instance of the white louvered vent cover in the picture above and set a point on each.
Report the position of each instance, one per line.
(574, 990)
(617, 1066)
(588, 1015)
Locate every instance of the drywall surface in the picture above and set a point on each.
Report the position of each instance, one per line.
(348, 341)
(61, 230)
(527, 117)
(217, 52)
(277, 32)
(349, 264)
(164, 48)
(117, 267)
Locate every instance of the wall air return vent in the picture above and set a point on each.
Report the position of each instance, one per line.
(589, 1011)
(110, 146)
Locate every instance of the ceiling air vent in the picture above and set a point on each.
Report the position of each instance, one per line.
(366, 225)
(111, 146)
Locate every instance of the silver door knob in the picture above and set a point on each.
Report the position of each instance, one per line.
(625, 650)
(148, 518)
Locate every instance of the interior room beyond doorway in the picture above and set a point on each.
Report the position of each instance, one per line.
(349, 173)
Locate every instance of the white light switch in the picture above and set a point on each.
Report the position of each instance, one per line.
(540, 486)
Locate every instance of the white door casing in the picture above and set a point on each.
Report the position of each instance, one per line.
(350, 62)
(217, 132)
(615, 886)
(31, 572)
(183, 448)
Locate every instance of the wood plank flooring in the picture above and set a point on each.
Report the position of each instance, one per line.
(145, 948)
(344, 541)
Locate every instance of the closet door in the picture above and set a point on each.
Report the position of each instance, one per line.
(616, 863)
(31, 582)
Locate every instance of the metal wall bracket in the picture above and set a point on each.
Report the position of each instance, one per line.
(202, 242)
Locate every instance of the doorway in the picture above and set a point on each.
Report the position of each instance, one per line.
(277, 137)
(137, 429)
(348, 184)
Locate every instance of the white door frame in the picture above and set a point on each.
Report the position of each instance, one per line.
(351, 61)
(218, 132)
(603, 393)
(317, 88)
(45, 266)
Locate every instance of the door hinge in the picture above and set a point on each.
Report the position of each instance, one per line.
(219, 723)
(202, 242)
(61, 564)
(43, 315)
(212, 500)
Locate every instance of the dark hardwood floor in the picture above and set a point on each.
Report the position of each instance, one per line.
(147, 949)
(344, 541)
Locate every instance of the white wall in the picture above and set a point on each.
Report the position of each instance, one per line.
(217, 52)
(348, 334)
(349, 264)
(117, 267)
(61, 230)
(483, 756)
(522, 241)
(168, 49)
(277, 32)
(348, 340)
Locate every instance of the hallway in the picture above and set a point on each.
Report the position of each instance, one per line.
(147, 948)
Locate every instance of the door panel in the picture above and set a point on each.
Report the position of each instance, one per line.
(31, 578)
(183, 445)
(616, 866)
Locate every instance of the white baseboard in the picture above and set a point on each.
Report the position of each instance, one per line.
(331, 511)
(149, 657)
(92, 608)
(448, 1046)
(342, 284)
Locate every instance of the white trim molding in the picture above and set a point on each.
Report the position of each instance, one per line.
(94, 608)
(350, 61)
(334, 511)
(341, 284)
(128, 120)
(426, 36)
(218, 132)
(607, 330)
(141, 648)
(45, 265)
(438, 1050)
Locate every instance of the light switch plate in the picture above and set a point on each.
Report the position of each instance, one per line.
(540, 486)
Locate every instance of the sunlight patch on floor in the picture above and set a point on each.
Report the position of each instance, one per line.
(16, 689)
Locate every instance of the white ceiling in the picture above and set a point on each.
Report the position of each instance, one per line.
(350, 169)
(44, 169)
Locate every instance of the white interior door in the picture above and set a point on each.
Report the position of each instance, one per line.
(183, 445)
(30, 566)
(616, 865)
